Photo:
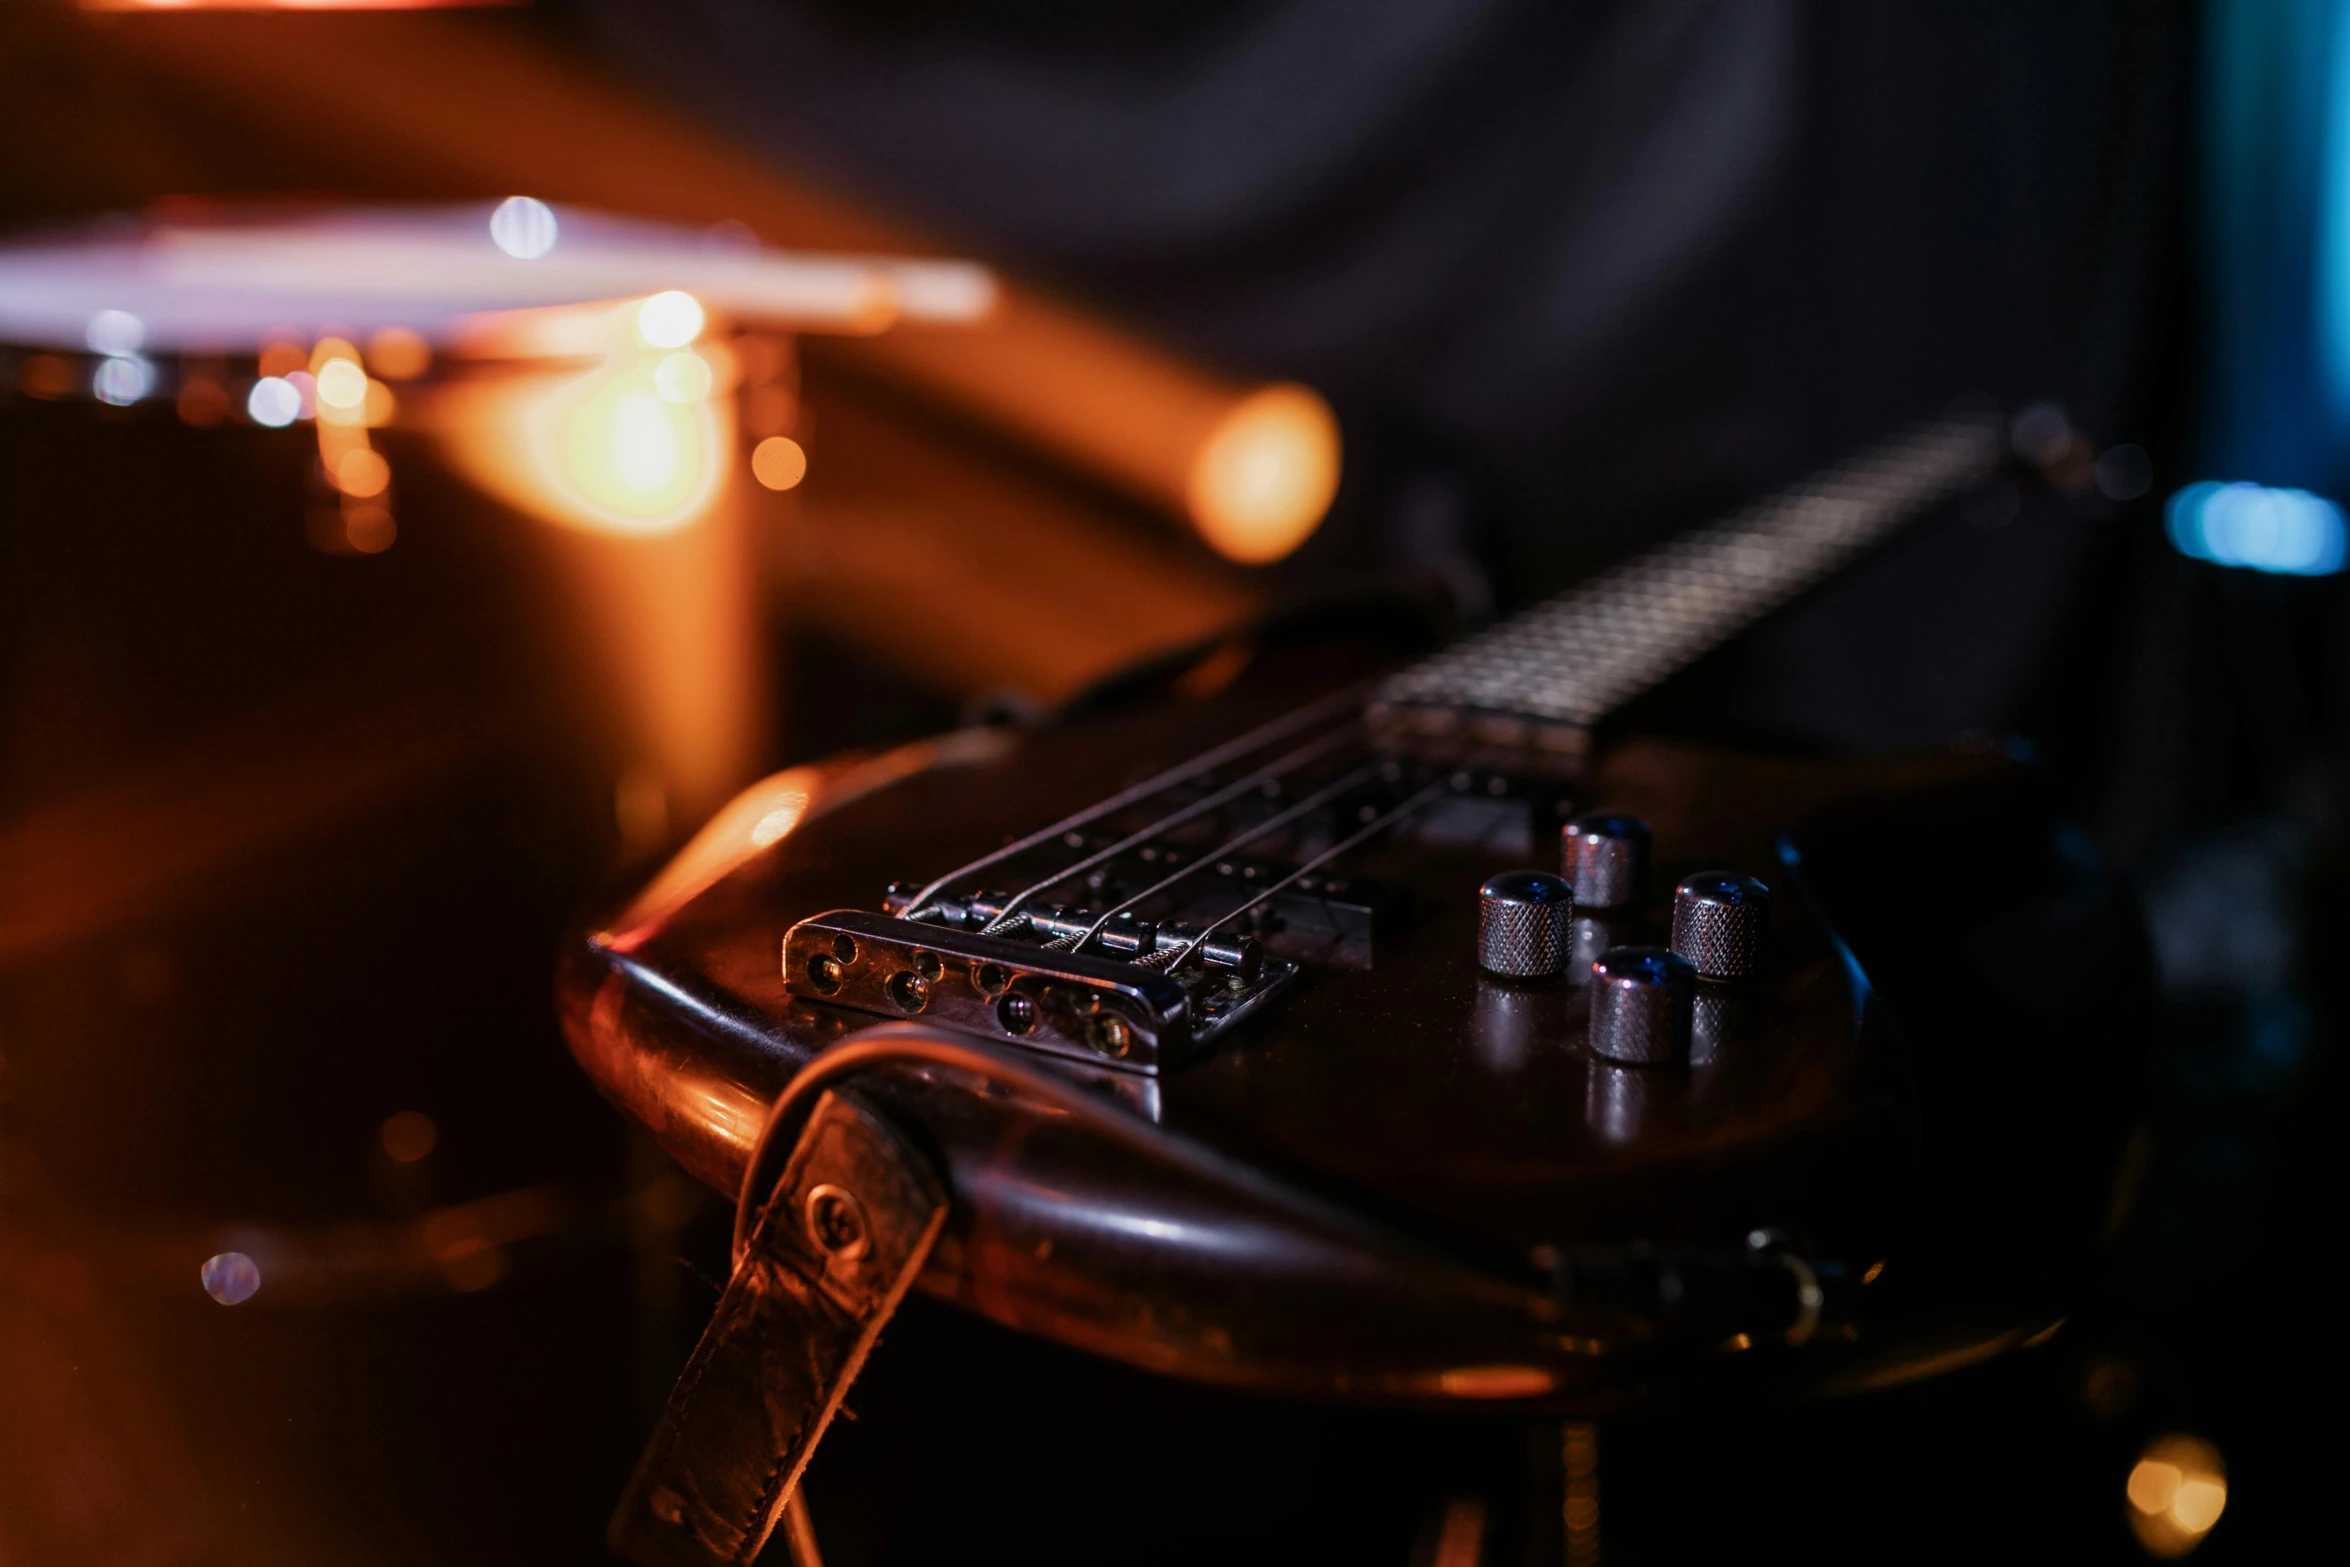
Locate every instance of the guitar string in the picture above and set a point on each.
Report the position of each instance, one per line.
(1308, 868)
(1312, 802)
(1256, 739)
(1272, 772)
(1918, 466)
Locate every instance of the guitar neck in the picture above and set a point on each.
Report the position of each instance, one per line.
(1539, 681)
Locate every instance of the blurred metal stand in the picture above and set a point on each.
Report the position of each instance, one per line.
(488, 103)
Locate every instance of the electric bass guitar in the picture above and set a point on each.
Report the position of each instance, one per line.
(1386, 1034)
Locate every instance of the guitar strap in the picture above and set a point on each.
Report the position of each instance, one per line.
(832, 1253)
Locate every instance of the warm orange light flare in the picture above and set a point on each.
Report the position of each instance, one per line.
(2177, 1491)
(1265, 476)
(634, 455)
(636, 444)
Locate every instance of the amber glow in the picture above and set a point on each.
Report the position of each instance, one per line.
(202, 401)
(362, 473)
(369, 528)
(640, 810)
(2177, 1492)
(280, 357)
(759, 818)
(408, 1137)
(634, 444)
(1250, 469)
(1263, 479)
(45, 376)
(1495, 1381)
(328, 349)
(1460, 1538)
(624, 447)
(399, 354)
(633, 455)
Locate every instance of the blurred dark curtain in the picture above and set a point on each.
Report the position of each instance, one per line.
(1574, 274)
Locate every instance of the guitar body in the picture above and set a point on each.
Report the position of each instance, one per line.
(1398, 1177)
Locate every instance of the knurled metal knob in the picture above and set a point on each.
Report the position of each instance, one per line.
(1602, 856)
(1522, 924)
(1718, 921)
(1640, 1006)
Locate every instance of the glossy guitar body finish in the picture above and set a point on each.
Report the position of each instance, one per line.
(1412, 1182)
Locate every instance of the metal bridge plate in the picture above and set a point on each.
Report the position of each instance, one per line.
(1100, 1010)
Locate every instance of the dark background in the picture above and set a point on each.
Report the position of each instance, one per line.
(1574, 277)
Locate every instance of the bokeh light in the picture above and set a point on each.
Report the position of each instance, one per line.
(2041, 432)
(362, 473)
(523, 227)
(202, 401)
(2177, 1491)
(273, 402)
(670, 319)
(778, 462)
(231, 1278)
(1263, 479)
(369, 528)
(122, 379)
(409, 1136)
(2287, 532)
(342, 384)
(399, 354)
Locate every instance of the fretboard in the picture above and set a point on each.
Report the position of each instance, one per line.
(1540, 680)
